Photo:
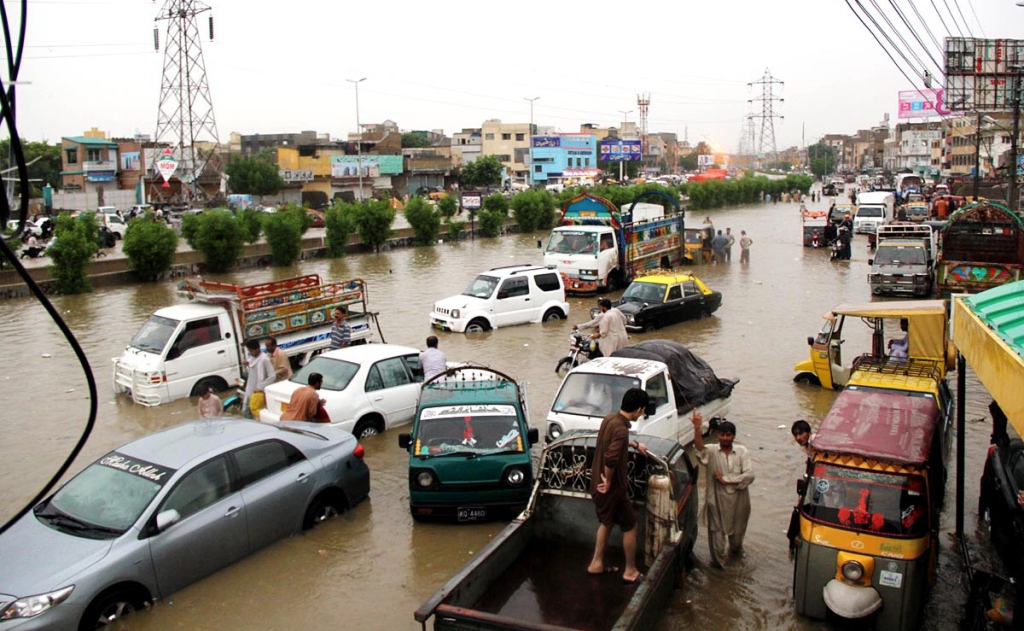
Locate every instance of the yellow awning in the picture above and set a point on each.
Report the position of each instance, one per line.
(927, 322)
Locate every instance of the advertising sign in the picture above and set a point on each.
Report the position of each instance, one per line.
(921, 104)
(372, 166)
(621, 150)
(547, 141)
(705, 160)
(166, 165)
(472, 200)
(979, 73)
(296, 175)
(131, 161)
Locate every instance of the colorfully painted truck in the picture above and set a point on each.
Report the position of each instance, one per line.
(597, 248)
(981, 247)
(532, 575)
(182, 350)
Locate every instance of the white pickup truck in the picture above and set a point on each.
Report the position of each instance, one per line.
(676, 380)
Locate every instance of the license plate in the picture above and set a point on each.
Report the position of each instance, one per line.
(472, 513)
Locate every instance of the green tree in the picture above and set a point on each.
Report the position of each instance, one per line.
(456, 228)
(252, 224)
(253, 176)
(424, 219)
(448, 206)
(150, 246)
(76, 244)
(373, 221)
(822, 159)
(490, 223)
(688, 162)
(44, 165)
(189, 229)
(533, 209)
(284, 234)
(498, 203)
(482, 172)
(340, 221)
(415, 139)
(220, 237)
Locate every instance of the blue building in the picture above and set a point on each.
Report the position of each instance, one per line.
(563, 155)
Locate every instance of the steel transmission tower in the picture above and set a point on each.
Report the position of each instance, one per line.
(766, 140)
(185, 116)
(748, 140)
(643, 101)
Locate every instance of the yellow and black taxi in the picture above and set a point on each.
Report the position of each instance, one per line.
(660, 299)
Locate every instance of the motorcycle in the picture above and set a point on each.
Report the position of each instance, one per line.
(579, 344)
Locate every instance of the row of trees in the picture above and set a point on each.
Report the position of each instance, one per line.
(745, 190)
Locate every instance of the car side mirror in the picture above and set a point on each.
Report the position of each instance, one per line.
(166, 519)
(405, 441)
(532, 436)
(651, 409)
(810, 340)
(801, 487)
(174, 353)
(871, 261)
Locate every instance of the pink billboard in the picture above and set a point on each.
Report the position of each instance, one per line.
(923, 103)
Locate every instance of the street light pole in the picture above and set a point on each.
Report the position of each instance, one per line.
(625, 119)
(529, 171)
(1013, 203)
(359, 142)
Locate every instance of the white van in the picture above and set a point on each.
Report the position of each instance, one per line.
(503, 296)
(873, 209)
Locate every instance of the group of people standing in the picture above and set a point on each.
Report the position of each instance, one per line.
(720, 245)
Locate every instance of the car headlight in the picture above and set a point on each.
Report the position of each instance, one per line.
(456, 314)
(515, 477)
(425, 479)
(554, 430)
(630, 319)
(853, 571)
(32, 606)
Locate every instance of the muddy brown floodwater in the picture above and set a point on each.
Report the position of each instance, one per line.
(372, 567)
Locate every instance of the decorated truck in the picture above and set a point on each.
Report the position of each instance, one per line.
(980, 247)
(598, 248)
(184, 349)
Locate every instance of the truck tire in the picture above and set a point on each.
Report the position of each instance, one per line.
(218, 385)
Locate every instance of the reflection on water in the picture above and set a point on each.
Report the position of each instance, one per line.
(374, 564)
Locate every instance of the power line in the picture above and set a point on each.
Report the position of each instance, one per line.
(896, 31)
(927, 29)
(953, 18)
(970, 3)
(948, 32)
(913, 32)
(886, 36)
(961, 12)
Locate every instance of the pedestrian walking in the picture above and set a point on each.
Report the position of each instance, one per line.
(432, 361)
(261, 375)
(282, 367)
(726, 509)
(745, 243)
(341, 330)
(718, 247)
(731, 239)
(609, 478)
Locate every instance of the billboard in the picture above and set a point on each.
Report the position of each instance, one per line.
(131, 161)
(547, 141)
(978, 73)
(621, 151)
(923, 103)
(372, 166)
(296, 175)
(705, 160)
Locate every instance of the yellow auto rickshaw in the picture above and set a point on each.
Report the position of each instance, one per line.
(925, 340)
(694, 239)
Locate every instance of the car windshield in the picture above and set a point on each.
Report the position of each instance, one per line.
(337, 374)
(644, 292)
(899, 255)
(869, 211)
(107, 497)
(474, 429)
(917, 210)
(154, 334)
(592, 394)
(867, 501)
(572, 242)
(481, 287)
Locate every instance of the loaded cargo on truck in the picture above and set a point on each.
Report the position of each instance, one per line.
(598, 248)
(185, 349)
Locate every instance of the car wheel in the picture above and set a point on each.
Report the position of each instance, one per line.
(806, 377)
(324, 507)
(110, 610)
(553, 315)
(477, 326)
(704, 314)
(650, 326)
(366, 428)
(565, 365)
(218, 385)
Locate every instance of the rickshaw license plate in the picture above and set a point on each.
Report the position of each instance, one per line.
(891, 579)
(472, 513)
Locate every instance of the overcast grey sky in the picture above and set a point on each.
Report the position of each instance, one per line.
(281, 66)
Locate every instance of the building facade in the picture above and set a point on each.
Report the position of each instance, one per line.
(510, 142)
(554, 155)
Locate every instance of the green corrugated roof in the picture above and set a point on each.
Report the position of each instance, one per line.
(1002, 309)
(86, 140)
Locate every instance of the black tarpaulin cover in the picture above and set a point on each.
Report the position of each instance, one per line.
(693, 380)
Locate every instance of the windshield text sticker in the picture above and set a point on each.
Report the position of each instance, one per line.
(141, 468)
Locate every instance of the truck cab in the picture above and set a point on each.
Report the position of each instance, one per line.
(586, 256)
(873, 209)
(904, 261)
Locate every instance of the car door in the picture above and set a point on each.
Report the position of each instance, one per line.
(200, 348)
(693, 301)
(392, 390)
(211, 532)
(664, 423)
(277, 485)
(673, 309)
(512, 304)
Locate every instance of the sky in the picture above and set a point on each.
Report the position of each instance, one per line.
(280, 67)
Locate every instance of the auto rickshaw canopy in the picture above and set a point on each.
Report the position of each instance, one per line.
(926, 320)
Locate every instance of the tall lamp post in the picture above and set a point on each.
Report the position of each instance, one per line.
(359, 143)
(529, 172)
(625, 119)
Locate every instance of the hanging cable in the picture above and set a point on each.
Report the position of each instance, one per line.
(910, 49)
(927, 29)
(889, 39)
(903, 17)
(970, 3)
(967, 26)
(952, 18)
(948, 32)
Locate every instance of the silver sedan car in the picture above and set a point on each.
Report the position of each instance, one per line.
(161, 512)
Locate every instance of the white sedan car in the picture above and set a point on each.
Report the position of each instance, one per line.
(368, 388)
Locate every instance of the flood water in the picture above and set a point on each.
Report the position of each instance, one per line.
(372, 567)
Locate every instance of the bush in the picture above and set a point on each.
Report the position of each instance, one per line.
(189, 229)
(340, 221)
(150, 246)
(497, 202)
(283, 230)
(456, 229)
(373, 221)
(448, 206)
(424, 219)
(76, 244)
(490, 223)
(252, 224)
(534, 209)
(220, 237)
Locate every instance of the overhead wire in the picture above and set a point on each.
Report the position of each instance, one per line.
(888, 39)
(920, 42)
(910, 49)
(952, 18)
(927, 28)
(981, 28)
(948, 32)
(961, 12)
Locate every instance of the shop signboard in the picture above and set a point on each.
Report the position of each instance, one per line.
(923, 103)
(621, 150)
(472, 200)
(296, 175)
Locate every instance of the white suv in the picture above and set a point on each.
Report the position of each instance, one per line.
(504, 296)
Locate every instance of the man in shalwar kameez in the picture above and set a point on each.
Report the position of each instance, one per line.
(729, 474)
